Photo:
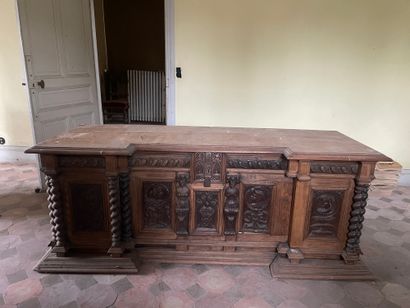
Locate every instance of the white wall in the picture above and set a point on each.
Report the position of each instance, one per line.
(15, 118)
(317, 64)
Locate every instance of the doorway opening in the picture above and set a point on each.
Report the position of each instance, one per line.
(131, 50)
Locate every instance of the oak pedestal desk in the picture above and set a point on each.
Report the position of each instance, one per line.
(123, 193)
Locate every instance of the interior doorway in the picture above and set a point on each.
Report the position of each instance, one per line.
(131, 51)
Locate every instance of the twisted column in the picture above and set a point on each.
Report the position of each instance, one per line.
(51, 210)
(115, 211)
(352, 248)
(125, 207)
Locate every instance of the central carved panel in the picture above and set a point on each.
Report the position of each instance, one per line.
(257, 204)
(206, 205)
(157, 205)
(208, 165)
(325, 212)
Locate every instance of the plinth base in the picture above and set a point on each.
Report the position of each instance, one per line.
(316, 269)
(86, 264)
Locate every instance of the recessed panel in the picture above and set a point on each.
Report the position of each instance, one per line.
(206, 210)
(257, 208)
(157, 204)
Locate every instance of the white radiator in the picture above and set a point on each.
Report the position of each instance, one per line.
(146, 96)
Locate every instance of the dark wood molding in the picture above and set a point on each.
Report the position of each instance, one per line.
(81, 162)
(279, 164)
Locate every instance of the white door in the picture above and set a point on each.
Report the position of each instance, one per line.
(58, 49)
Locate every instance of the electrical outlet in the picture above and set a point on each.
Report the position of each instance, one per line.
(2, 140)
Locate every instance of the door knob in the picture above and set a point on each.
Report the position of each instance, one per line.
(41, 84)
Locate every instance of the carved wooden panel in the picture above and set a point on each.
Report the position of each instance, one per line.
(257, 207)
(231, 208)
(157, 202)
(208, 166)
(87, 207)
(161, 160)
(206, 209)
(81, 162)
(325, 212)
(334, 167)
(279, 164)
(182, 203)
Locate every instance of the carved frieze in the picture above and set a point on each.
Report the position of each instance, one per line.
(157, 204)
(257, 203)
(182, 203)
(325, 212)
(208, 166)
(279, 164)
(81, 162)
(231, 208)
(334, 167)
(206, 206)
(161, 161)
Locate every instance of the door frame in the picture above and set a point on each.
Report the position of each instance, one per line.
(169, 22)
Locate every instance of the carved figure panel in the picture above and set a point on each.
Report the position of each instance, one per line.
(257, 206)
(206, 206)
(182, 203)
(157, 201)
(325, 212)
(87, 207)
(208, 166)
(231, 208)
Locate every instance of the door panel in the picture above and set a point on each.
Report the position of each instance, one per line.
(57, 45)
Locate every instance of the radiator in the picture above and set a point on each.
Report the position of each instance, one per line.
(146, 96)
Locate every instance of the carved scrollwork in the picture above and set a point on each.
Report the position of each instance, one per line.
(157, 205)
(334, 167)
(279, 164)
(161, 161)
(125, 206)
(208, 166)
(231, 208)
(357, 218)
(115, 211)
(325, 212)
(257, 202)
(206, 205)
(182, 203)
(81, 162)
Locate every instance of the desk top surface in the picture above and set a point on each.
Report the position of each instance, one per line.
(126, 139)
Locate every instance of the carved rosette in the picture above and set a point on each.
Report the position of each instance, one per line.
(182, 203)
(125, 206)
(51, 210)
(56, 211)
(356, 219)
(115, 211)
(231, 208)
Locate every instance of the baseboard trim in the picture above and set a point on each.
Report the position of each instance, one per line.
(15, 155)
(404, 179)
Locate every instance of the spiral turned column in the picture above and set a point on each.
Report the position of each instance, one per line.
(352, 249)
(51, 211)
(56, 215)
(115, 216)
(125, 207)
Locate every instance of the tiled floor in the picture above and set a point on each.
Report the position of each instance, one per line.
(24, 235)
